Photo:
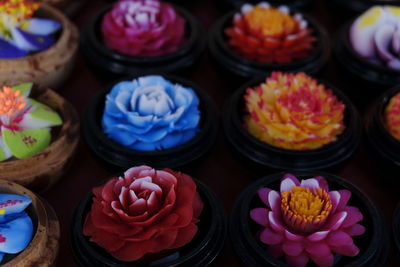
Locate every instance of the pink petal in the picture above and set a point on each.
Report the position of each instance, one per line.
(153, 203)
(275, 222)
(263, 195)
(138, 207)
(292, 248)
(339, 238)
(275, 251)
(274, 200)
(383, 38)
(270, 237)
(260, 216)
(335, 221)
(353, 217)
(318, 249)
(297, 261)
(288, 181)
(292, 237)
(318, 236)
(133, 172)
(355, 230)
(344, 198)
(151, 187)
(136, 185)
(350, 250)
(335, 200)
(325, 261)
(310, 183)
(322, 183)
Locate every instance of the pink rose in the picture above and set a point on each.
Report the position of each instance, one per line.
(147, 211)
(143, 28)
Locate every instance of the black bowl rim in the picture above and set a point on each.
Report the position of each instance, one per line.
(219, 49)
(354, 125)
(298, 4)
(362, 5)
(90, 34)
(396, 226)
(376, 119)
(217, 211)
(210, 125)
(376, 216)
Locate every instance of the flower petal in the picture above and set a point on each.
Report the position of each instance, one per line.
(40, 26)
(339, 238)
(310, 183)
(292, 248)
(335, 221)
(344, 198)
(274, 200)
(324, 261)
(322, 183)
(335, 200)
(275, 222)
(355, 230)
(260, 216)
(318, 249)
(288, 181)
(353, 217)
(270, 237)
(350, 250)
(318, 236)
(263, 195)
(292, 237)
(297, 261)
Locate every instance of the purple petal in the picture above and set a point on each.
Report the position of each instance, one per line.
(350, 250)
(33, 42)
(335, 200)
(339, 238)
(396, 41)
(292, 248)
(322, 183)
(288, 181)
(270, 237)
(292, 237)
(260, 216)
(318, 249)
(383, 39)
(335, 221)
(353, 216)
(297, 261)
(394, 64)
(325, 261)
(263, 195)
(355, 230)
(275, 222)
(274, 200)
(344, 198)
(8, 50)
(318, 236)
(310, 183)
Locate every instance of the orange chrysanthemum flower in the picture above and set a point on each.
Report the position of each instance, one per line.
(270, 35)
(392, 116)
(293, 111)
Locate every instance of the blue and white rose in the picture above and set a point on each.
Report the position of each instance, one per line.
(151, 113)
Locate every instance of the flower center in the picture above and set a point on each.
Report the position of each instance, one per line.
(11, 104)
(304, 210)
(12, 12)
(269, 21)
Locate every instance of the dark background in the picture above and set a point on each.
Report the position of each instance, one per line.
(220, 170)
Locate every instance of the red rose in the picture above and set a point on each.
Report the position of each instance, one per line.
(146, 212)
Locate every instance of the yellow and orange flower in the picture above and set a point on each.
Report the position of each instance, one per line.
(392, 116)
(293, 111)
(270, 35)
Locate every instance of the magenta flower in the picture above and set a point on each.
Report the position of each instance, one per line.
(143, 28)
(307, 221)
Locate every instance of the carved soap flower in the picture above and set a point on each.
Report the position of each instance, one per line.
(293, 111)
(375, 35)
(146, 211)
(20, 32)
(270, 35)
(16, 226)
(392, 116)
(151, 113)
(143, 28)
(24, 122)
(307, 221)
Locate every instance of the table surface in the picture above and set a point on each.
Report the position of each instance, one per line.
(221, 171)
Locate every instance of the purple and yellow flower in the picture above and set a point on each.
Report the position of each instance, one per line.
(307, 221)
(20, 32)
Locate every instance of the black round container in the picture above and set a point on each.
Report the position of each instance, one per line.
(121, 157)
(201, 251)
(373, 244)
(236, 4)
(108, 61)
(359, 66)
(234, 63)
(358, 6)
(265, 155)
(396, 226)
(378, 136)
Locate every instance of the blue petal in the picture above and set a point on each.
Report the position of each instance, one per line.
(17, 234)
(109, 122)
(31, 42)
(140, 121)
(12, 204)
(121, 86)
(189, 120)
(143, 146)
(151, 80)
(1, 256)
(40, 26)
(8, 50)
(121, 135)
(156, 134)
(171, 140)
